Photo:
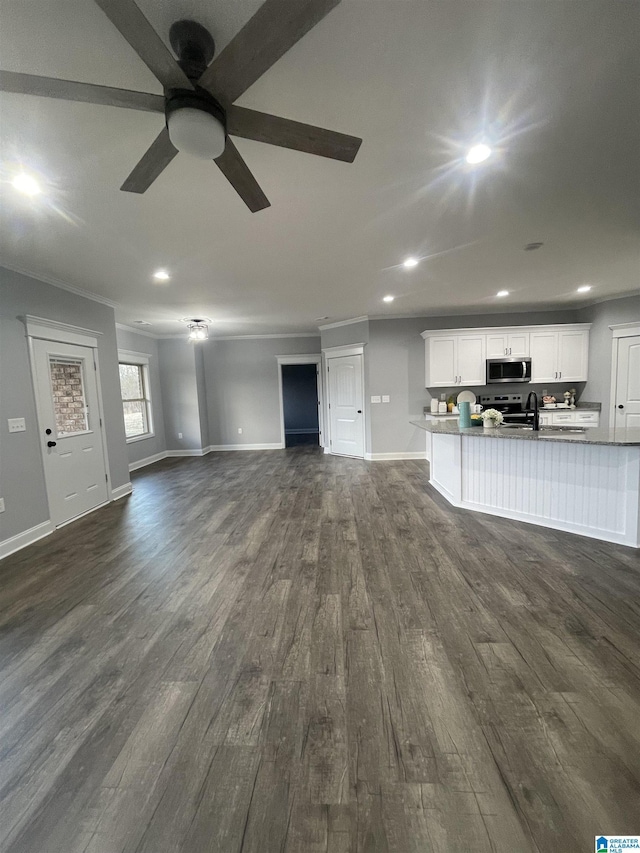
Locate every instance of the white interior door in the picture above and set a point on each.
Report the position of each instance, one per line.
(346, 405)
(627, 400)
(71, 432)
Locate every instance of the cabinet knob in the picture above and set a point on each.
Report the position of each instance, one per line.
(620, 406)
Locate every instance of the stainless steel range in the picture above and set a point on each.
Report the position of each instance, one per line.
(510, 405)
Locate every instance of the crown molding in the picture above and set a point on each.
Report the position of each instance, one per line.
(344, 322)
(136, 331)
(55, 282)
(264, 337)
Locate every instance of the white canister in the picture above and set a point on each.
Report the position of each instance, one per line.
(434, 405)
(442, 408)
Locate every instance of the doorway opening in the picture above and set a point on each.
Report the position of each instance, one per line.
(300, 404)
(301, 400)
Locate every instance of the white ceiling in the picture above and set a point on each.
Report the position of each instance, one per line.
(556, 84)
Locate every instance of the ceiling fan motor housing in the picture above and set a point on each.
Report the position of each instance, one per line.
(196, 123)
(193, 45)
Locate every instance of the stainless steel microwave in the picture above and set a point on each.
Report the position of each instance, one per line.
(508, 370)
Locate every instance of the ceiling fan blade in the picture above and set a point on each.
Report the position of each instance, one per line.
(132, 24)
(237, 173)
(286, 133)
(154, 162)
(268, 35)
(88, 93)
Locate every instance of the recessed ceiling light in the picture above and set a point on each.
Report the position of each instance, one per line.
(584, 288)
(502, 293)
(161, 275)
(478, 153)
(388, 298)
(410, 262)
(26, 184)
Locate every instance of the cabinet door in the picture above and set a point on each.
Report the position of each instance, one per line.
(573, 356)
(442, 362)
(497, 346)
(544, 356)
(472, 368)
(518, 344)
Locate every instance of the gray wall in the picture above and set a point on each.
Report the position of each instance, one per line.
(242, 387)
(145, 447)
(21, 469)
(179, 388)
(352, 333)
(603, 315)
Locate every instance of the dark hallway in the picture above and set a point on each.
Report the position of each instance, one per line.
(300, 404)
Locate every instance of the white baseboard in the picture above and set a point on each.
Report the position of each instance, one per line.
(198, 451)
(27, 537)
(121, 491)
(148, 460)
(216, 447)
(384, 457)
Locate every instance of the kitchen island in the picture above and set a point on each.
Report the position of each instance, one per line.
(579, 481)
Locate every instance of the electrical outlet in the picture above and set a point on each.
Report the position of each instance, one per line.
(375, 399)
(386, 398)
(16, 424)
(179, 435)
(239, 430)
(1, 504)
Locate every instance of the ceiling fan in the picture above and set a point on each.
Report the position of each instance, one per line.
(199, 91)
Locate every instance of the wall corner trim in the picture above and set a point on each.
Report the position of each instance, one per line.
(121, 491)
(27, 537)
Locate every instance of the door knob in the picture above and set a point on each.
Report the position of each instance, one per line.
(359, 411)
(620, 406)
(48, 431)
(51, 444)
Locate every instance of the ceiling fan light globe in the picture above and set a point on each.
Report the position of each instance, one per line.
(196, 132)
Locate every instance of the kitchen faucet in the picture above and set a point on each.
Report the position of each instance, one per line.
(536, 412)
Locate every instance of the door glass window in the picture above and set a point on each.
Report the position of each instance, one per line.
(67, 390)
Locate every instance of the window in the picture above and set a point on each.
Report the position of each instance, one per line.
(136, 400)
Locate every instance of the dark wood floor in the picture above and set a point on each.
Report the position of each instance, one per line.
(286, 651)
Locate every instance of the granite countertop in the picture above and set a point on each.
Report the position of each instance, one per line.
(593, 435)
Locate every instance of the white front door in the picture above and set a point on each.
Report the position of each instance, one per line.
(627, 401)
(70, 427)
(346, 405)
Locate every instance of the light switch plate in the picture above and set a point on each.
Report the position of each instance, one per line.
(1, 504)
(385, 398)
(16, 424)
(375, 399)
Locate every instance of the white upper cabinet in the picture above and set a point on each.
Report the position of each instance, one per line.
(560, 356)
(573, 356)
(544, 356)
(472, 360)
(458, 356)
(443, 354)
(456, 360)
(508, 344)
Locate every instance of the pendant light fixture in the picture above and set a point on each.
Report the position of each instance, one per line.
(198, 331)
